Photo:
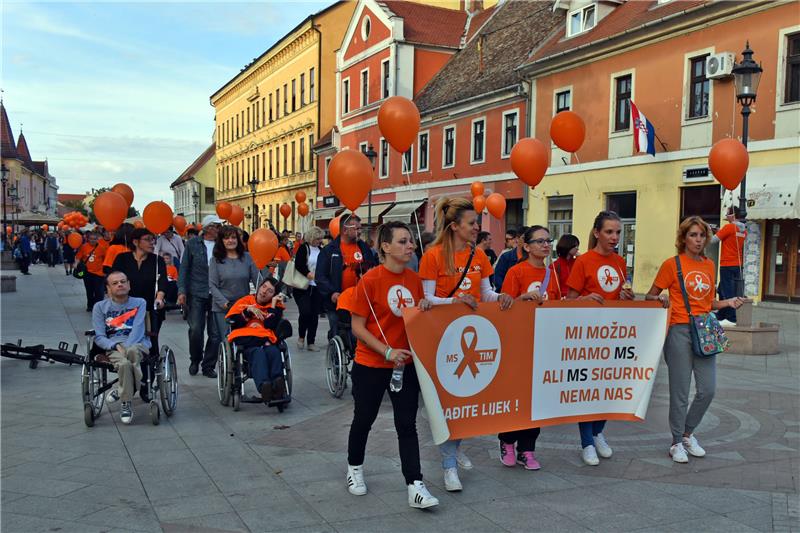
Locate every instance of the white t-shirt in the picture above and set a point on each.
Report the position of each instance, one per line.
(313, 254)
(209, 249)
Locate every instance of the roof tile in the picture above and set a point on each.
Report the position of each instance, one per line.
(8, 148)
(425, 24)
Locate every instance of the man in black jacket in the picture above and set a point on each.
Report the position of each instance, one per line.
(339, 265)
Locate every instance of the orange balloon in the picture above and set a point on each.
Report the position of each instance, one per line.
(286, 210)
(236, 216)
(568, 131)
(728, 161)
(398, 120)
(333, 227)
(110, 208)
(138, 224)
(350, 176)
(224, 210)
(496, 205)
(529, 160)
(262, 245)
(157, 217)
(476, 189)
(300, 197)
(125, 191)
(180, 224)
(45, 227)
(479, 202)
(302, 209)
(75, 240)
(8, 230)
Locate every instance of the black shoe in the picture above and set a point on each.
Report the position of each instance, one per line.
(144, 393)
(266, 392)
(210, 373)
(26, 273)
(279, 388)
(193, 369)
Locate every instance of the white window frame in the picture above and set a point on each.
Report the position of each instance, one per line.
(361, 87)
(410, 168)
(427, 150)
(780, 87)
(556, 92)
(386, 90)
(327, 165)
(363, 147)
(444, 145)
(505, 151)
(364, 34)
(346, 95)
(613, 101)
(472, 160)
(381, 143)
(687, 78)
(581, 10)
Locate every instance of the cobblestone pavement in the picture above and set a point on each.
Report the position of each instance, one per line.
(211, 469)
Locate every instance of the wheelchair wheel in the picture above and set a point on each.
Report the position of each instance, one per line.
(237, 400)
(336, 367)
(92, 380)
(287, 365)
(224, 373)
(168, 381)
(155, 413)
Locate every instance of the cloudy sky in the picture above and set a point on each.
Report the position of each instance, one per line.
(119, 92)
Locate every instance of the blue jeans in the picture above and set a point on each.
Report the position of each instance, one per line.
(200, 317)
(265, 363)
(589, 430)
(729, 285)
(448, 450)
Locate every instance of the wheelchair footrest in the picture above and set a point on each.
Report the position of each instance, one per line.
(252, 399)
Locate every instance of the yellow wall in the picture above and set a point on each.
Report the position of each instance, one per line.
(658, 198)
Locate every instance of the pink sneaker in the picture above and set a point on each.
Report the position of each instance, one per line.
(507, 454)
(528, 460)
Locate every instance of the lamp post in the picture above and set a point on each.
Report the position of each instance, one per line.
(253, 185)
(372, 156)
(195, 203)
(4, 179)
(746, 76)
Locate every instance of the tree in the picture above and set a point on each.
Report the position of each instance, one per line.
(76, 205)
(94, 193)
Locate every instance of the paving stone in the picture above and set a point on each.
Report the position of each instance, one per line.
(218, 522)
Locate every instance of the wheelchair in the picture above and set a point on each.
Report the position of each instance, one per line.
(162, 379)
(233, 371)
(339, 356)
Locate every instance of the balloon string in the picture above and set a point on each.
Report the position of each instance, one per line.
(407, 173)
(576, 157)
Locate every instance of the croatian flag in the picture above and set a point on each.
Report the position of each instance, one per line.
(644, 136)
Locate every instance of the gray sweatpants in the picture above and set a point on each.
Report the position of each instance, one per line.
(682, 363)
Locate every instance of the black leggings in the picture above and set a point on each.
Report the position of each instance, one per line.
(525, 439)
(369, 384)
(309, 303)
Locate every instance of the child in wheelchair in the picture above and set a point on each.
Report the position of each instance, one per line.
(254, 319)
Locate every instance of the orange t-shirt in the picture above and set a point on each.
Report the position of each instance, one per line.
(524, 277)
(296, 247)
(599, 274)
(432, 267)
(112, 252)
(93, 257)
(172, 273)
(351, 256)
(345, 301)
(698, 277)
(281, 256)
(732, 245)
(388, 293)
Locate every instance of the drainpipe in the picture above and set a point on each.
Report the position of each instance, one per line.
(524, 90)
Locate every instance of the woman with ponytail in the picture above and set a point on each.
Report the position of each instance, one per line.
(454, 270)
(599, 275)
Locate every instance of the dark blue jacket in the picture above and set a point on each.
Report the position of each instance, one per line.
(25, 245)
(506, 260)
(328, 275)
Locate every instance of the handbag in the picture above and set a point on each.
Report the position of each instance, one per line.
(80, 269)
(293, 278)
(708, 337)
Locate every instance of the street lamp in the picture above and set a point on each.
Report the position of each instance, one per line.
(253, 185)
(4, 179)
(372, 156)
(746, 76)
(195, 203)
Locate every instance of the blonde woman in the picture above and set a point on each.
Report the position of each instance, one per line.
(309, 301)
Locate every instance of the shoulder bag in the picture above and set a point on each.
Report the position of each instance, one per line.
(80, 269)
(293, 278)
(463, 274)
(708, 337)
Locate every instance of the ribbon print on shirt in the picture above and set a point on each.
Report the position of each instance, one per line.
(608, 278)
(698, 284)
(398, 298)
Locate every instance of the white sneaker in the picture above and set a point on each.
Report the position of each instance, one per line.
(126, 413)
(462, 460)
(726, 323)
(451, 481)
(693, 447)
(678, 453)
(300, 343)
(603, 449)
(355, 480)
(419, 497)
(589, 456)
(312, 348)
(112, 396)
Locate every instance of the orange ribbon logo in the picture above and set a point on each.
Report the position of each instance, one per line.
(473, 356)
(609, 279)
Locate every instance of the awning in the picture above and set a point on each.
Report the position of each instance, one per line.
(377, 210)
(774, 192)
(30, 218)
(325, 213)
(402, 211)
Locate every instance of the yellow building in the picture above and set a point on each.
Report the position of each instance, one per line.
(194, 190)
(270, 115)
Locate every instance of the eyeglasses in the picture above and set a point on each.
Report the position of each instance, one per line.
(541, 242)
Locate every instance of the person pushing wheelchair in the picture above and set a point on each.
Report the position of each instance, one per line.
(253, 320)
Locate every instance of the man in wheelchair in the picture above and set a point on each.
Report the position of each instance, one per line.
(253, 320)
(119, 326)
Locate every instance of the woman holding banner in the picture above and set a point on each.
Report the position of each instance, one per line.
(377, 322)
(694, 234)
(599, 275)
(454, 270)
(529, 280)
